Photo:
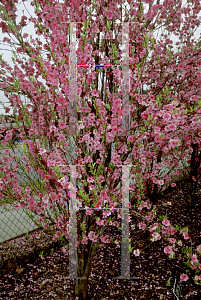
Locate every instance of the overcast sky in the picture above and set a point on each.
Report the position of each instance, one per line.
(28, 9)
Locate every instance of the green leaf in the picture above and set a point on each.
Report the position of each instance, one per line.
(85, 25)
(108, 25)
(146, 38)
(108, 106)
(83, 227)
(168, 283)
(111, 165)
(138, 175)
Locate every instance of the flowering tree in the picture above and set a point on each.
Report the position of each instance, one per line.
(79, 103)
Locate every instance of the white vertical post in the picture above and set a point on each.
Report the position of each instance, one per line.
(73, 81)
(125, 84)
(73, 261)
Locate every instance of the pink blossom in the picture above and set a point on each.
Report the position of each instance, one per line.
(58, 7)
(170, 70)
(51, 206)
(40, 219)
(183, 277)
(167, 116)
(94, 239)
(16, 206)
(45, 205)
(90, 179)
(116, 223)
(101, 179)
(116, 160)
(95, 93)
(139, 85)
(165, 230)
(117, 73)
(166, 222)
(89, 212)
(32, 202)
(54, 197)
(104, 239)
(172, 240)
(198, 248)
(57, 234)
(160, 182)
(153, 227)
(156, 235)
(84, 240)
(64, 250)
(63, 180)
(172, 127)
(8, 137)
(142, 54)
(142, 205)
(39, 211)
(24, 158)
(173, 143)
(91, 187)
(27, 189)
(144, 115)
(136, 252)
(172, 231)
(131, 138)
(62, 125)
(6, 151)
(168, 250)
(92, 236)
(99, 222)
(192, 265)
(106, 213)
(40, 172)
(149, 206)
(155, 180)
(142, 225)
(42, 151)
(194, 258)
(173, 184)
(186, 236)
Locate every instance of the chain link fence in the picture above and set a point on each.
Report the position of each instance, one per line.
(17, 222)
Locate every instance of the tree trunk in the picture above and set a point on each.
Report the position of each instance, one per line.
(195, 165)
(81, 289)
(85, 260)
(153, 196)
